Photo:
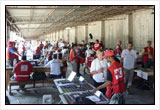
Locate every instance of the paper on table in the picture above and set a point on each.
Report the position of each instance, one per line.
(142, 74)
(93, 98)
(72, 76)
(145, 75)
(98, 93)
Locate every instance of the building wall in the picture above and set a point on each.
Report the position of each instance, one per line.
(116, 29)
(95, 29)
(80, 33)
(137, 27)
(72, 35)
(143, 28)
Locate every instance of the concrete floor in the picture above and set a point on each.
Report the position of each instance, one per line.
(35, 95)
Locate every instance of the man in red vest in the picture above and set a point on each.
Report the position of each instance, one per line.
(148, 55)
(97, 45)
(118, 49)
(22, 70)
(115, 80)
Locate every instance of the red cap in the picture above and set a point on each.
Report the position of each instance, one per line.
(10, 43)
(109, 53)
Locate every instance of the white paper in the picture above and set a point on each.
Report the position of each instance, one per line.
(93, 98)
(72, 76)
(142, 74)
(81, 78)
(98, 93)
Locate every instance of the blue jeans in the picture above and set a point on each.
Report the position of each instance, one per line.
(148, 64)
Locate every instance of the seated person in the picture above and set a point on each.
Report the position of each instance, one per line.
(22, 71)
(55, 66)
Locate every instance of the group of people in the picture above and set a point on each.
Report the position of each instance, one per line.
(111, 70)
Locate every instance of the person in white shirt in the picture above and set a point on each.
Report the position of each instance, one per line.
(98, 70)
(128, 59)
(55, 66)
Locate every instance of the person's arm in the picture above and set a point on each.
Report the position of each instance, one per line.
(48, 64)
(121, 59)
(107, 83)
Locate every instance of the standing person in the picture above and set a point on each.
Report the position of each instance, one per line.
(10, 52)
(15, 56)
(97, 45)
(77, 59)
(38, 53)
(148, 55)
(128, 59)
(22, 70)
(72, 54)
(118, 49)
(115, 80)
(98, 70)
(102, 45)
(41, 46)
(23, 50)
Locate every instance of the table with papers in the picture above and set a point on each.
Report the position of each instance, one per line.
(145, 75)
(70, 90)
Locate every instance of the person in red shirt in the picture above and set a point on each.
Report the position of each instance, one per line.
(118, 49)
(97, 45)
(90, 59)
(115, 80)
(37, 53)
(22, 70)
(148, 55)
(23, 50)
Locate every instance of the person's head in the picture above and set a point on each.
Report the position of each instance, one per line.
(97, 41)
(83, 42)
(110, 56)
(130, 45)
(119, 42)
(149, 43)
(54, 56)
(99, 54)
(24, 57)
(10, 44)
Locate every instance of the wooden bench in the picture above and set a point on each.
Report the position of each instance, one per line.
(16, 83)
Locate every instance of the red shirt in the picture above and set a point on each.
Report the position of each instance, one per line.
(89, 60)
(117, 85)
(118, 50)
(23, 70)
(41, 45)
(37, 51)
(71, 56)
(97, 46)
(23, 48)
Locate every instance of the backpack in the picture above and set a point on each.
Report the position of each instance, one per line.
(38, 76)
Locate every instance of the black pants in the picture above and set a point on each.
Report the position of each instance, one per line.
(10, 62)
(98, 84)
(54, 76)
(78, 68)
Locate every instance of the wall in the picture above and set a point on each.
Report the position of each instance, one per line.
(95, 29)
(143, 28)
(116, 29)
(137, 27)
